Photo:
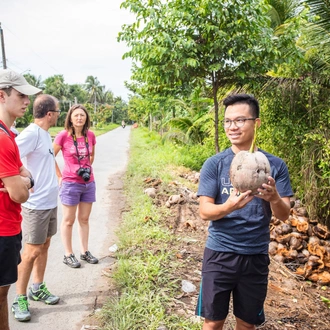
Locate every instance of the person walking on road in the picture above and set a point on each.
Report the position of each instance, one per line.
(77, 185)
(40, 210)
(15, 182)
(236, 254)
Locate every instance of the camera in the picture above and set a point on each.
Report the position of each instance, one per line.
(85, 173)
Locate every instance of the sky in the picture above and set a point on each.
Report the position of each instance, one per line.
(74, 38)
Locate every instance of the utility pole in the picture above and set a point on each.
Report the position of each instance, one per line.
(4, 64)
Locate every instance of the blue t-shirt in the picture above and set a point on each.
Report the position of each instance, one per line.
(244, 231)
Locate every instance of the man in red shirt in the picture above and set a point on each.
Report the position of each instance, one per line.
(15, 181)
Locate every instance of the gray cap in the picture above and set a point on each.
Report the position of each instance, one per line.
(9, 78)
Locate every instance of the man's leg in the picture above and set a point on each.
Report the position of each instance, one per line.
(20, 305)
(4, 324)
(29, 255)
(213, 325)
(241, 325)
(39, 265)
(39, 291)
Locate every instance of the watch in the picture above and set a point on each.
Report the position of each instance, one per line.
(31, 182)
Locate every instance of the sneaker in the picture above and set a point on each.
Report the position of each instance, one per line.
(71, 261)
(43, 295)
(20, 308)
(87, 256)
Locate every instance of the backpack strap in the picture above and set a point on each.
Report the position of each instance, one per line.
(4, 129)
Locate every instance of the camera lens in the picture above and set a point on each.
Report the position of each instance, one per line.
(86, 176)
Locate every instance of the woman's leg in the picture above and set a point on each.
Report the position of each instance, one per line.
(69, 216)
(84, 211)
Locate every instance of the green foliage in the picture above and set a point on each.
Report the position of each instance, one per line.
(316, 173)
(193, 125)
(145, 275)
(194, 156)
(177, 46)
(104, 107)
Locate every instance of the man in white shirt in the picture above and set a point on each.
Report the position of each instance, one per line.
(40, 210)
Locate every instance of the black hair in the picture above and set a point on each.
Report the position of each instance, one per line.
(243, 99)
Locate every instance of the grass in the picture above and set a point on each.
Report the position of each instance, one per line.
(146, 268)
(97, 131)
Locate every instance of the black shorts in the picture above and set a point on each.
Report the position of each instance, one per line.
(10, 257)
(245, 276)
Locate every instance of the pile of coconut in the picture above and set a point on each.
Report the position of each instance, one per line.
(302, 244)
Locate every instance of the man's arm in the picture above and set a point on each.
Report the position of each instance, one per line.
(208, 210)
(280, 205)
(281, 208)
(17, 188)
(23, 171)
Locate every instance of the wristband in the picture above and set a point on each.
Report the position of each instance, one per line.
(31, 182)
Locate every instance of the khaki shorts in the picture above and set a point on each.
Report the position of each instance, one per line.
(37, 225)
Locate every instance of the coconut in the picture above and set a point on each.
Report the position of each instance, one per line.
(249, 169)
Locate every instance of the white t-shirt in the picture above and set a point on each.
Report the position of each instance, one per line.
(37, 154)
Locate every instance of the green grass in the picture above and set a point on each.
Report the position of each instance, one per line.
(146, 267)
(98, 131)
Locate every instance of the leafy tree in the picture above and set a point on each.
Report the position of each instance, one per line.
(78, 94)
(94, 89)
(194, 121)
(56, 86)
(182, 44)
(28, 117)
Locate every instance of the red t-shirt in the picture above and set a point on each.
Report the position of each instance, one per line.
(10, 164)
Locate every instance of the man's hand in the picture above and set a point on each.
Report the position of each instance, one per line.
(268, 191)
(280, 205)
(238, 200)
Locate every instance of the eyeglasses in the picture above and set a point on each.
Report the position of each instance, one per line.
(55, 111)
(238, 122)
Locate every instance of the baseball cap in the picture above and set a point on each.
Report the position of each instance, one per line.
(9, 78)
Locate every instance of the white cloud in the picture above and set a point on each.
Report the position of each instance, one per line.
(76, 38)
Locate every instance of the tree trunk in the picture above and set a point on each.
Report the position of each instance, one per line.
(216, 113)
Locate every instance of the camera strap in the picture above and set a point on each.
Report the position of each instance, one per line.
(76, 145)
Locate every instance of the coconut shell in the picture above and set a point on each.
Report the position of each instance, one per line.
(248, 171)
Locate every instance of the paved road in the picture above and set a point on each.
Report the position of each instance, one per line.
(81, 289)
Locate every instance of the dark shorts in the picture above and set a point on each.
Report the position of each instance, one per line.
(10, 257)
(243, 276)
(72, 193)
(38, 225)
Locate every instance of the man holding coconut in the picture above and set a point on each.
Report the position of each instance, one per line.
(236, 253)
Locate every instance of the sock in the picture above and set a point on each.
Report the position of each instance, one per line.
(36, 286)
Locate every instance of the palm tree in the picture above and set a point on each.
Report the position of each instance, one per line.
(94, 89)
(34, 80)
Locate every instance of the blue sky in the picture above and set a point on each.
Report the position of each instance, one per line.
(75, 38)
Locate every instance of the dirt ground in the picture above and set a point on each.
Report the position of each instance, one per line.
(292, 303)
